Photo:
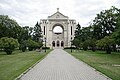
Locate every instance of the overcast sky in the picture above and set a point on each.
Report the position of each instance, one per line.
(28, 12)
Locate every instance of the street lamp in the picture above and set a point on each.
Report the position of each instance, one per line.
(45, 44)
(71, 44)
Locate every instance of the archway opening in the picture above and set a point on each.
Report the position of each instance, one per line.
(58, 43)
(58, 30)
(62, 43)
(53, 43)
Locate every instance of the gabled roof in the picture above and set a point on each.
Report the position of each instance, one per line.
(57, 15)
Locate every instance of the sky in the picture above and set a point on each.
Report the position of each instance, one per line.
(28, 12)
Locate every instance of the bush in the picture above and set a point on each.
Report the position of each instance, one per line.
(8, 44)
(106, 43)
(70, 48)
(45, 47)
(33, 45)
(85, 45)
(23, 46)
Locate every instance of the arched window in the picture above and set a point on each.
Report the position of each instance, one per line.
(58, 29)
(44, 30)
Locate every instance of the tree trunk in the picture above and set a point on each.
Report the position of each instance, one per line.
(108, 50)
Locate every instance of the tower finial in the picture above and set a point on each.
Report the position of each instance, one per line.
(57, 9)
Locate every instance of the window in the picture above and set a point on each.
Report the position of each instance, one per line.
(71, 30)
(58, 29)
(44, 30)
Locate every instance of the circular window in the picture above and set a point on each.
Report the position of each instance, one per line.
(57, 29)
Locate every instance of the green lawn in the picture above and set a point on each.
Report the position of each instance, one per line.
(13, 65)
(109, 64)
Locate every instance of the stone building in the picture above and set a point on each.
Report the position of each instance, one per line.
(58, 39)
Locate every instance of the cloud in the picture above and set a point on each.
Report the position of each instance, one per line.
(28, 12)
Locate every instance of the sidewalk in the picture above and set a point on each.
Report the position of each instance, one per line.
(59, 65)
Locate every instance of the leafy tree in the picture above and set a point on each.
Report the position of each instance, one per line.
(33, 45)
(76, 42)
(105, 23)
(9, 27)
(85, 45)
(23, 45)
(116, 36)
(106, 43)
(8, 44)
(90, 43)
(86, 33)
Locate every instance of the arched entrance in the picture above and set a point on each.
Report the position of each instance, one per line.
(62, 44)
(57, 35)
(53, 43)
(58, 43)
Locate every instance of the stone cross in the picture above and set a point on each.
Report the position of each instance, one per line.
(57, 9)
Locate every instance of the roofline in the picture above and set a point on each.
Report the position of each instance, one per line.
(60, 13)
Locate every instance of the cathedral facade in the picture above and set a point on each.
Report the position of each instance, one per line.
(61, 39)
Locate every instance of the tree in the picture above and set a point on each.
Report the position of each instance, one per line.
(33, 45)
(23, 45)
(76, 40)
(89, 43)
(106, 43)
(85, 45)
(8, 44)
(9, 27)
(116, 36)
(105, 23)
(37, 33)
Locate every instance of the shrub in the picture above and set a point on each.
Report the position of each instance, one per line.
(33, 45)
(23, 46)
(45, 47)
(8, 44)
(70, 48)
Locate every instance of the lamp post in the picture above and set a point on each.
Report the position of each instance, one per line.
(71, 44)
(45, 44)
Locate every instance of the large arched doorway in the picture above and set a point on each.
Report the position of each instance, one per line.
(62, 44)
(58, 43)
(58, 35)
(53, 43)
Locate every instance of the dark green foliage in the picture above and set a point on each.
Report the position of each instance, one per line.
(37, 35)
(9, 27)
(70, 48)
(23, 46)
(105, 23)
(33, 45)
(8, 44)
(45, 47)
(106, 43)
(76, 42)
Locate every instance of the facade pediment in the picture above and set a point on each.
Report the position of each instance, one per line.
(57, 15)
(58, 40)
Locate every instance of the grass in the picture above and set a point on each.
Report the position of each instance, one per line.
(13, 65)
(108, 64)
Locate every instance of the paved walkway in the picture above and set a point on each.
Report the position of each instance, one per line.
(59, 65)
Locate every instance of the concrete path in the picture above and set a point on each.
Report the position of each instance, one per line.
(59, 65)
